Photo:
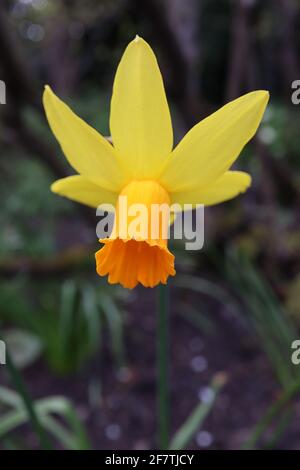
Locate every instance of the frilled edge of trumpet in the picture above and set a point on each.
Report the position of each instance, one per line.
(129, 262)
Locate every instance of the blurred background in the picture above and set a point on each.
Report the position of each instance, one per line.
(86, 350)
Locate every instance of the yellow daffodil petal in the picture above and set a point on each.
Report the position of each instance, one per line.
(229, 185)
(80, 189)
(140, 120)
(211, 147)
(86, 150)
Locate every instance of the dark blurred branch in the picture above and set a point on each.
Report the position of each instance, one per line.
(29, 142)
(59, 264)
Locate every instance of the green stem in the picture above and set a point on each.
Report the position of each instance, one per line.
(163, 370)
(27, 401)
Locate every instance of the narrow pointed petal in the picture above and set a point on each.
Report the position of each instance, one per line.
(80, 189)
(226, 187)
(86, 150)
(210, 148)
(140, 121)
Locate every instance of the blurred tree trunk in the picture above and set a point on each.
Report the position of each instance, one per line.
(288, 12)
(175, 23)
(61, 63)
(184, 19)
(239, 51)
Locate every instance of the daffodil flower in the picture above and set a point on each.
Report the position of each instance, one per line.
(142, 164)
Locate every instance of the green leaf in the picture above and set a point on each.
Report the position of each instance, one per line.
(25, 348)
(73, 436)
(114, 320)
(273, 411)
(187, 431)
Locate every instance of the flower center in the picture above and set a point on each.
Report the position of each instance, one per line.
(142, 212)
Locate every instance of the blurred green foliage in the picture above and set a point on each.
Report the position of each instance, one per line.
(67, 318)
